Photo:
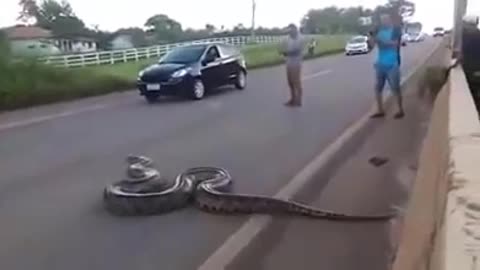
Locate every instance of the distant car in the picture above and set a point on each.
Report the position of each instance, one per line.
(404, 40)
(416, 37)
(358, 45)
(192, 70)
(438, 32)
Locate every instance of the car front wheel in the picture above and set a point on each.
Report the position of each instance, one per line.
(241, 80)
(198, 90)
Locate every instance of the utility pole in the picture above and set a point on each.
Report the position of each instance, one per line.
(254, 6)
(459, 11)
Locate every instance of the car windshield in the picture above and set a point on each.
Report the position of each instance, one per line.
(357, 40)
(183, 55)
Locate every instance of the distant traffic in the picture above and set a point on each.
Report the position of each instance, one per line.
(358, 45)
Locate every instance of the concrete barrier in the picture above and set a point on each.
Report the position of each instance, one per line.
(442, 223)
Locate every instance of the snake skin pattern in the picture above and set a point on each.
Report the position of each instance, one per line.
(145, 192)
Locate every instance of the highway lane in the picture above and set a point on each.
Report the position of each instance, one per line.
(53, 171)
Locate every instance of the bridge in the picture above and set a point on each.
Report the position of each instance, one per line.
(56, 159)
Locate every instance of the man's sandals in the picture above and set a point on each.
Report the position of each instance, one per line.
(398, 115)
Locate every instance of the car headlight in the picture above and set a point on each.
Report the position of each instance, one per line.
(140, 74)
(243, 63)
(180, 73)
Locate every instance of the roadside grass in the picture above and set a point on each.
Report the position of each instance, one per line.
(256, 56)
(28, 83)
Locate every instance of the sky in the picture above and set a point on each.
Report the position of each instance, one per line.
(114, 14)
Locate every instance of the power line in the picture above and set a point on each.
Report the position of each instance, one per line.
(254, 6)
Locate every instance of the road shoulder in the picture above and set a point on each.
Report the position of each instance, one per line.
(357, 187)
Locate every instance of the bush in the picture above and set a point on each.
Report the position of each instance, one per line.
(26, 83)
(432, 82)
(4, 49)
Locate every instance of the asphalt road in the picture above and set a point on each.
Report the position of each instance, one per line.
(55, 161)
(355, 186)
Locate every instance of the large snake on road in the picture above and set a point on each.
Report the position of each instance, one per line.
(145, 192)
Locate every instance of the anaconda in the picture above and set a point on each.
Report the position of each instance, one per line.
(145, 192)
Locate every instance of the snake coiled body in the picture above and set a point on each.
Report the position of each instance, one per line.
(144, 192)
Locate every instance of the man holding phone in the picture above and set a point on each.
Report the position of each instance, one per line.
(293, 50)
(387, 66)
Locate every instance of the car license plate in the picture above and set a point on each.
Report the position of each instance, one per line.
(153, 87)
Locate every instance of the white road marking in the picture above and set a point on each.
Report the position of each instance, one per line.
(246, 234)
(35, 120)
(318, 74)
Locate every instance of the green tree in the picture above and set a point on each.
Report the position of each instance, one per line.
(30, 10)
(210, 28)
(350, 19)
(60, 19)
(164, 28)
(50, 11)
(53, 15)
(331, 20)
(402, 8)
(68, 26)
(138, 36)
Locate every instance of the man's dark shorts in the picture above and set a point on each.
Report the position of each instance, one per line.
(387, 74)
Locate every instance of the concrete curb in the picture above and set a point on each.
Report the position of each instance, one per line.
(321, 165)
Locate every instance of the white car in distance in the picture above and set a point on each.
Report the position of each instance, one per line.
(357, 45)
(416, 37)
(438, 32)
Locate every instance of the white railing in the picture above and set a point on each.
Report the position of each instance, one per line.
(136, 54)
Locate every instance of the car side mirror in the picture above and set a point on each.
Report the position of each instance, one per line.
(208, 59)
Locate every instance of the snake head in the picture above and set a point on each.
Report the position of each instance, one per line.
(137, 172)
(142, 160)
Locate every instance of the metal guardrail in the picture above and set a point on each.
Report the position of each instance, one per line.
(136, 54)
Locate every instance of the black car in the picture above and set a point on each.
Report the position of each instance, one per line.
(191, 70)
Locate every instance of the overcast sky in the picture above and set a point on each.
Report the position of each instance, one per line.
(111, 15)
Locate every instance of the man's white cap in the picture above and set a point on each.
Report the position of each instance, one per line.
(471, 19)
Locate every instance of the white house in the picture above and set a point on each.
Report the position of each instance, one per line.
(122, 42)
(36, 41)
(75, 44)
(30, 41)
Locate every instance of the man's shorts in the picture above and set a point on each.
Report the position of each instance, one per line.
(390, 74)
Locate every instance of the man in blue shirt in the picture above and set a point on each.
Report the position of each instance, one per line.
(387, 65)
